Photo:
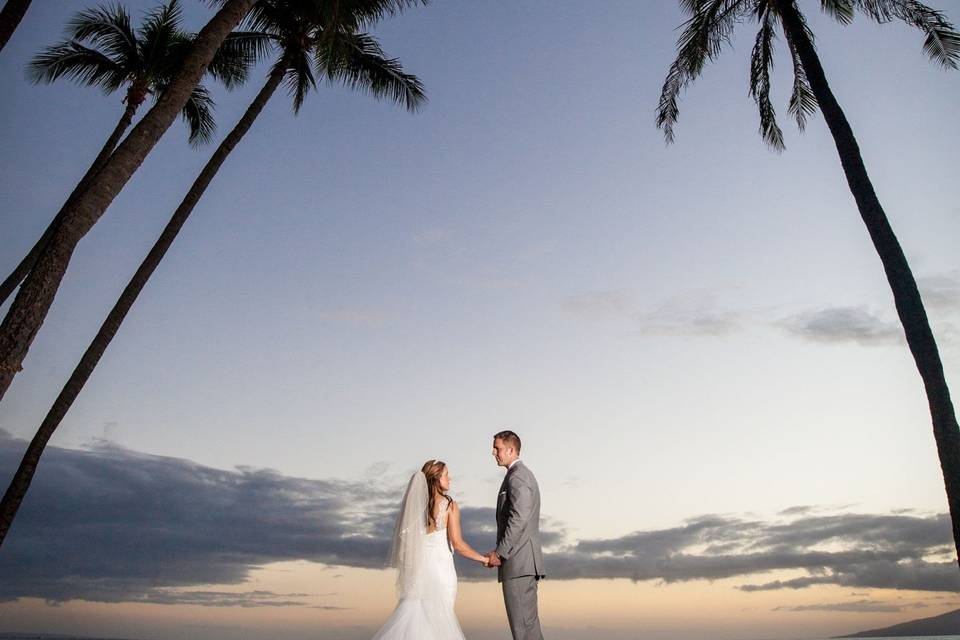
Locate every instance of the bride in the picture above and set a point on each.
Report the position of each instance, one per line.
(427, 533)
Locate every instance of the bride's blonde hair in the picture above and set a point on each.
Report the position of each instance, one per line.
(433, 469)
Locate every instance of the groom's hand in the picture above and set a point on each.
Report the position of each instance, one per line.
(493, 559)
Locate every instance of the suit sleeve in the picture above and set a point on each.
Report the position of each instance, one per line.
(521, 510)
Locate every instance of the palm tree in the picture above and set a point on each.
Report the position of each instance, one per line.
(104, 50)
(710, 26)
(29, 309)
(307, 46)
(10, 17)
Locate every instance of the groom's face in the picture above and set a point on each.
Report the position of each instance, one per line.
(504, 453)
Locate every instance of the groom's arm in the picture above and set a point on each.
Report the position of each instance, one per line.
(521, 510)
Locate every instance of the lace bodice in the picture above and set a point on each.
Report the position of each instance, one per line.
(443, 508)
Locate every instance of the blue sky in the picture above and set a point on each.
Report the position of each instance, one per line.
(675, 331)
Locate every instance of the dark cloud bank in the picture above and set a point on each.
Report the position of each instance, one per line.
(112, 525)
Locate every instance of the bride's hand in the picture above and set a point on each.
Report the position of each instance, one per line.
(485, 562)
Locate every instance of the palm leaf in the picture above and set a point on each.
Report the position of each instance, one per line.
(761, 61)
(198, 114)
(299, 78)
(840, 10)
(359, 14)
(107, 28)
(357, 61)
(942, 44)
(159, 30)
(248, 46)
(708, 29)
(803, 102)
(74, 60)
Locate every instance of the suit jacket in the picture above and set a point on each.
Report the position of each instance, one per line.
(518, 525)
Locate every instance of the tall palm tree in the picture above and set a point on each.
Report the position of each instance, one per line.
(711, 24)
(10, 17)
(104, 50)
(306, 46)
(29, 309)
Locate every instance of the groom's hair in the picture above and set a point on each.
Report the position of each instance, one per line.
(510, 438)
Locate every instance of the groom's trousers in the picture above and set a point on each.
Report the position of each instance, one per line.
(520, 596)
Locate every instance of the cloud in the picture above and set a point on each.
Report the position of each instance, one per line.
(112, 525)
(245, 599)
(851, 550)
(109, 524)
(843, 324)
(941, 292)
(692, 314)
(858, 606)
(675, 319)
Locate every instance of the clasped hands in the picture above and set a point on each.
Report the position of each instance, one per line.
(491, 560)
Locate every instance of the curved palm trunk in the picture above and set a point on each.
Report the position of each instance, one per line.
(28, 465)
(33, 301)
(906, 295)
(20, 272)
(10, 18)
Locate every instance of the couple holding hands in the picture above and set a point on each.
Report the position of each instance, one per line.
(428, 532)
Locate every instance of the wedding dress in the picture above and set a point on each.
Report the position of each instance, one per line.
(426, 578)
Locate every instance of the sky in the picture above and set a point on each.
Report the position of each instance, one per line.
(695, 342)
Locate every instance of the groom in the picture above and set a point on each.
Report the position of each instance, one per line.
(518, 557)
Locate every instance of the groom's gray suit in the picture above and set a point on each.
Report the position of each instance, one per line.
(518, 545)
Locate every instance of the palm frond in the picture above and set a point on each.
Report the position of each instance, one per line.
(160, 29)
(299, 77)
(273, 16)
(359, 14)
(761, 61)
(839, 10)
(708, 29)
(878, 10)
(942, 44)
(73, 60)
(198, 114)
(107, 28)
(250, 46)
(238, 54)
(803, 102)
(357, 61)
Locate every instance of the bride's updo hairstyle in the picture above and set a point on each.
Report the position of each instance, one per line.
(433, 469)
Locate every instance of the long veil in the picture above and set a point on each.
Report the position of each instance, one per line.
(409, 551)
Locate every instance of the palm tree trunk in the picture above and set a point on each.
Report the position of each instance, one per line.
(20, 272)
(10, 18)
(906, 295)
(28, 465)
(33, 301)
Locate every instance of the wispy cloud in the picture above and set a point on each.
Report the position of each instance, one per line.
(245, 599)
(843, 324)
(941, 292)
(144, 528)
(690, 317)
(857, 606)
(701, 313)
(695, 313)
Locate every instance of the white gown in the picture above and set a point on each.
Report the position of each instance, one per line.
(429, 616)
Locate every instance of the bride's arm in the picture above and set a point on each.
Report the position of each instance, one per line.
(456, 538)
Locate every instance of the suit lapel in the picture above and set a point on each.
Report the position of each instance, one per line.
(501, 495)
